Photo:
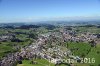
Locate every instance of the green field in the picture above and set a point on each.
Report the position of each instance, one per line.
(84, 51)
(88, 29)
(8, 47)
(40, 62)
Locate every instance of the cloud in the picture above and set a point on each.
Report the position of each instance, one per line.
(36, 19)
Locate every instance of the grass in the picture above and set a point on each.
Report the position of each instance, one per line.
(78, 49)
(95, 53)
(83, 49)
(89, 29)
(8, 46)
(40, 62)
(4, 49)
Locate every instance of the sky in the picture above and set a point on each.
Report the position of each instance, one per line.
(38, 10)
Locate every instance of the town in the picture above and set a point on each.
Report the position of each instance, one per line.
(49, 32)
(32, 43)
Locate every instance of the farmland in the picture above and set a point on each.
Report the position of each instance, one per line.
(50, 46)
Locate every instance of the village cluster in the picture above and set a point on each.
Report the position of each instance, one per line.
(49, 46)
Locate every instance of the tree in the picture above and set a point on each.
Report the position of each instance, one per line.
(33, 35)
(93, 44)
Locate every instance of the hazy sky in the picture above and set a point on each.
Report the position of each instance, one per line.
(36, 10)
